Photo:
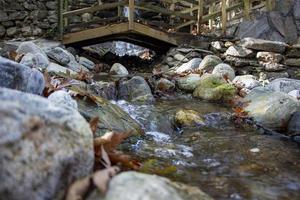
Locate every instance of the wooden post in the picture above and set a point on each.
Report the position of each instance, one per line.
(191, 13)
(172, 8)
(269, 4)
(247, 9)
(224, 16)
(66, 4)
(210, 11)
(199, 16)
(60, 19)
(131, 14)
(119, 10)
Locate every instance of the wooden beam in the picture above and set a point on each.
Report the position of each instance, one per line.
(179, 26)
(210, 11)
(60, 19)
(269, 4)
(224, 16)
(199, 16)
(247, 9)
(131, 15)
(94, 8)
(119, 9)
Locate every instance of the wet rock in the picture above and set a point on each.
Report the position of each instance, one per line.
(294, 124)
(20, 77)
(218, 46)
(209, 62)
(273, 67)
(111, 117)
(241, 52)
(241, 62)
(224, 70)
(30, 47)
(106, 90)
(118, 69)
(189, 82)
(135, 89)
(274, 75)
(294, 62)
(295, 94)
(271, 57)
(86, 63)
(150, 187)
(284, 85)
(246, 81)
(180, 57)
(214, 88)
(54, 147)
(12, 31)
(165, 85)
(293, 51)
(264, 45)
(188, 118)
(59, 55)
(271, 109)
(191, 65)
(37, 60)
(62, 98)
(55, 69)
(52, 5)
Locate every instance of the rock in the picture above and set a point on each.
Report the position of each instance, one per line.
(20, 77)
(180, 57)
(30, 47)
(263, 45)
(188, 118)
(37, 60)
(271, 109)
(189, 82)
(148, 187)
(214, 88)
(26, 31)
(274, 75)
(3, 17)
(273, 67)
(59, 55)
(241, 52)
(62, 98)
(217, 45)
(118, 69)
(269, 57)
(209, 62)
(246, 81)
(191, 65)
(293, 51)
(135, 89)
(224, 70)
(165, 85)
(285, 85)
(51, 5)
(111, 117)
(55, 69)
(2, 31)
(241, 62)
(295, 94)
(294, 62)
(43, 147)
(106, 90)
(86, 63)
(294, 124)
(12, 31)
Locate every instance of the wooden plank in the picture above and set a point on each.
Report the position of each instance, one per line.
(94, 8)
(150, 32)
(247, 9)
(219, 13)
(210, 11)
(199, 16)
(119, 10)
(224, 16)
(184, 24)
(269, 4)
(95, 33)
(131, 15)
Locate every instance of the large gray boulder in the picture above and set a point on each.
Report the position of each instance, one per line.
(20, 77)
(241, 52)
(148, 187)
(118, 69)
(271, 109)
(30, 47)
(246, 81)
(107, 90)
(224, 70)
(294, 124)
(285, 85)
(263, 45)
(43, 147)
(63, 98)
(191, 65)
(135, 89)
(37, 60)
(209, 62)
(189, 82)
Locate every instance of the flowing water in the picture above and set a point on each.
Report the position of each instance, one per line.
(226, 160)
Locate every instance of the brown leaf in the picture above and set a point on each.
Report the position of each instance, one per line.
(78, 189)
(94, 124)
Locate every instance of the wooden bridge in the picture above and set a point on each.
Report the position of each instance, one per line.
(169, 19)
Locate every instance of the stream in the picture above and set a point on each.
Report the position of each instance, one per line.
(225, 160)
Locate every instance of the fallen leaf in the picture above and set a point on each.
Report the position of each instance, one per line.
(101, 178)
(94, 124)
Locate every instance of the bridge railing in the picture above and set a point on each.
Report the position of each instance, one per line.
(178, 13)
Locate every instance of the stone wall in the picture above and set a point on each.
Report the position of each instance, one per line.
(26, 18)
(282, 24)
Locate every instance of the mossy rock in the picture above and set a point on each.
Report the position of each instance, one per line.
(187, 118)
(214, 88)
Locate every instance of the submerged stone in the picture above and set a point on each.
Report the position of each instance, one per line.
(188, 118)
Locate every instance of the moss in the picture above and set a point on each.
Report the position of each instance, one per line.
(188, 118)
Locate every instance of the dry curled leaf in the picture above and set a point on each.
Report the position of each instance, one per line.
(94, 124)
